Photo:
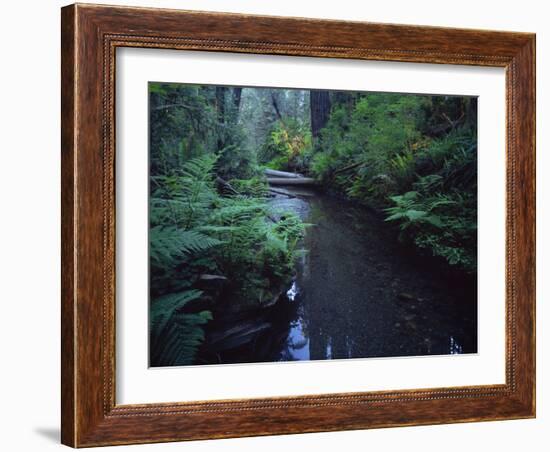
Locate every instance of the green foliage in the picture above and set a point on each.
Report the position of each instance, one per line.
(405, 154)
(168, 244)
(235, 160)
(194, 230)
(258, 116)
(407, 210)
(178, 255)
(255, 186)
(442, 223)
(182, 124)
(187, 121)
(175, 335)
(440, 214)
(378, 136)
(413, 156)
(287, 146)
(259, 250)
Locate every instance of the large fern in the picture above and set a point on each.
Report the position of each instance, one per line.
(175, 336)
(178, 251)
(168, 243)
(194, 229)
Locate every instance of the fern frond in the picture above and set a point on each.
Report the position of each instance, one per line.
(176, 336)
(163, 307)
(168, 242)
(199, 168)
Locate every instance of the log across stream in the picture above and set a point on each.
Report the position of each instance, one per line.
(358, 293)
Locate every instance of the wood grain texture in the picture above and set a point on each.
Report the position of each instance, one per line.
(90, 36)
(68, 244)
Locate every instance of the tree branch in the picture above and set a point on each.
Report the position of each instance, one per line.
(165, 107)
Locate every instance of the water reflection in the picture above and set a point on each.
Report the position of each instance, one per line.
(297, 343)
(349, 347)
(328, 355)
(292, 292)
(359, 296)
(455, 348)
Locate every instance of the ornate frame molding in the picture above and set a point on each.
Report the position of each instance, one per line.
(90, 36)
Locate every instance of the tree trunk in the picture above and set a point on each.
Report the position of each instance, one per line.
(276, 173)
(320, 110)
(276, 107)
(220, 107)
(237, 101)
(346, 98)
(471, 111)
(291, 181)
(281, 192)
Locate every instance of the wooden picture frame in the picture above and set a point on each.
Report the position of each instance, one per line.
(90, 36)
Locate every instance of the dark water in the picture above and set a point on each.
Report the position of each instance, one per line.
(358, 293)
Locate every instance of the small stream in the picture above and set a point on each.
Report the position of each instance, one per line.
(358, 293)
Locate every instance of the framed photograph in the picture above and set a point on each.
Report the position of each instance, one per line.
(281, 225)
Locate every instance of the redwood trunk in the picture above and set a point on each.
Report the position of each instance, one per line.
(320, 110)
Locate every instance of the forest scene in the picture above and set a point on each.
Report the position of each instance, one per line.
(297, 224)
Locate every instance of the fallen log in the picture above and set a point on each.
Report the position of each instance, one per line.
(289, 181)
(349, 167)
(207, 277)
(276, 173)
(281, 192)
(226, 185)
